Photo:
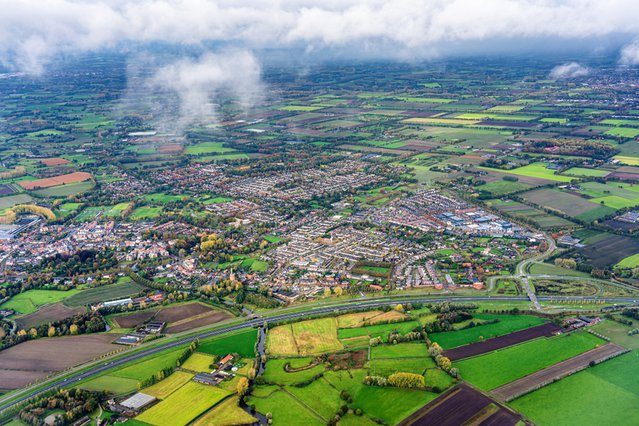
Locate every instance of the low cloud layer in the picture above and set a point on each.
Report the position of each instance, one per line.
(630, 54)
(569, 70)
(187, 91)
(33, 32)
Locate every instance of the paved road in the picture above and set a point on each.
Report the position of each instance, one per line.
(251, 323)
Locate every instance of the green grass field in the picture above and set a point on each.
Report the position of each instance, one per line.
(285, 409)
(381, 330)
(386, 367)
(502, 187)
(320, 396)
(389, 404)
(226, 413)
(400, 350)
(198, 362)
(64, 190)
(117, 385)
(584, 172)
(142, 213)
(103, 293)
(507, 324)
(144, 369)
(169, 385)
(240, 343)
(623, 132)
(29, 301)
(607, 393)
(275, 372)
(207, 148)
(629, 262)
(537, 170)
(183, 405)
(499, 367)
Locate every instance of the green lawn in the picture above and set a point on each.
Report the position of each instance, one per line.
(507, 324)
(499, 367)
(29, 301)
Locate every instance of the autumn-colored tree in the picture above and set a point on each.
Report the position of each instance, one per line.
(242, 386)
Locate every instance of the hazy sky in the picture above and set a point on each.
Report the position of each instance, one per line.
(34, 32)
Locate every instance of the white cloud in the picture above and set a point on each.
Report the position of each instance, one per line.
(34, 31)
(569, 70)
(186, 91)
(630, 54)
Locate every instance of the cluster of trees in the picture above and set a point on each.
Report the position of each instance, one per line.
(435, 351)
(395, 338)
(444, 307)
(566, 263)
(149, 283)
(75, 403)
(156, 378)
(398, 380)
(631, 313)
(82, 262)
(257, 299)
(88, 322)
(166, 372)
(445, 321)
(579, 147)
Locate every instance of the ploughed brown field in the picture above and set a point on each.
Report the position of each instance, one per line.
(560, 370)
(490, 345)
(57, 180)
(134, 319)
(39, 358)
(178, 318)
(56, 161)
(462, 405)
(54, 312)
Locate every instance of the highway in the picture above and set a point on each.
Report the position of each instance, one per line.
(120, 359)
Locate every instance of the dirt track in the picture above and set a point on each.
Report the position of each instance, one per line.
(501, 342)
(562, 369)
